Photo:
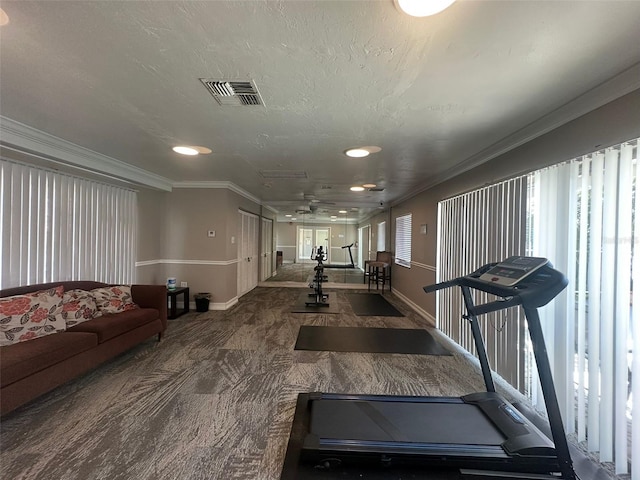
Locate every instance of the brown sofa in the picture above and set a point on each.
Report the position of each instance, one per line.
(29, 369)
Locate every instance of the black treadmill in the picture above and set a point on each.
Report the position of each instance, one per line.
(349, 265)
(481, 434)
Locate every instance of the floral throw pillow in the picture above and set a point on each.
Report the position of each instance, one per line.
(29, 316)
(79, 306)
(114, 299)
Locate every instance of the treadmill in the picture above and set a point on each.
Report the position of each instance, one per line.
(481, 434)
(349, 265)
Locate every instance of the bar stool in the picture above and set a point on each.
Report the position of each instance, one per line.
(377, 272)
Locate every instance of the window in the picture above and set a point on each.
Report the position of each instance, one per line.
(486, 225)
(584, 219)
(57, 227)
(582, 216)
(382, 237)
(403, 241)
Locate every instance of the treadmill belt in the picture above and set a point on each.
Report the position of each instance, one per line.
(448, 423)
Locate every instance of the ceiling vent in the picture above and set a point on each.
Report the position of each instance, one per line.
(235, 94)
(282, 174)
(376, 189)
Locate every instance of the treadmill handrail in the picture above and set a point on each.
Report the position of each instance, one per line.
(533, 291)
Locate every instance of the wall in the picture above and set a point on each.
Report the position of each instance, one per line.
(151, 227)
(608, 125)
(173, 240)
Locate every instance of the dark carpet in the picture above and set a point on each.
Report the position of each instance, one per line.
(368, 340)
(372, 305)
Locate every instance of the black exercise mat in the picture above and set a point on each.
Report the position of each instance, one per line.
(372, 305)
(301, 307)
(368, 340)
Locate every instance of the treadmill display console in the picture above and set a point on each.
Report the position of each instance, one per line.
(513, 270)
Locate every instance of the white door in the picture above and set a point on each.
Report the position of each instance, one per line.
(364, 239)
(266, 249)
(247, 252)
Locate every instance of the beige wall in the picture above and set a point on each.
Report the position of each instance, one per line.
(173, 239)
(611, 124)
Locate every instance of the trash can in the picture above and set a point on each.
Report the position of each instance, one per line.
(202, 301)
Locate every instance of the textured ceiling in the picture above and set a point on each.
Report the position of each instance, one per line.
(122, 79)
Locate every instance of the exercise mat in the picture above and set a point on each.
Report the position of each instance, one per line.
(372, 305)
(301, 307)
(368, 340)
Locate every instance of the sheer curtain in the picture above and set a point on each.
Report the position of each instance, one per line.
(583, 218)
(59, 227)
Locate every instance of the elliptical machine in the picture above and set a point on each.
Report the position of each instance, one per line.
(319, 298)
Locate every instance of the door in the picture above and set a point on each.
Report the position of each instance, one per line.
(266, 249)
(311, 237)
(364, 239)
(247, 252)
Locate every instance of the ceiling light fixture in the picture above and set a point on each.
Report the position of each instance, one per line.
(4, 18)
(288, 216)
(191, 150)
(357, 189)
(342, 211)
(360, 152)
(422, 8)
(334, 220)
(357, 153)
(369, 185)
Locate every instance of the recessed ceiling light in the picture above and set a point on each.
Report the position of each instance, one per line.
(420, 8)
(334, 220)
(342, 211)
(288, 216)
(4, 18)
(191, 150)
(369, 185)
(294, 218)
(357, 153)
(357, 189)
(315, 200)
(182, 150)
(334, 216)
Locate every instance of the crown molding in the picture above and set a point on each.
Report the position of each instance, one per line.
(30, 140)
(219, 184)
(608, 91)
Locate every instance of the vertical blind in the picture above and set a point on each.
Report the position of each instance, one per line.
(403, 241)
(486, 225)
(585, 220)
(57, 227)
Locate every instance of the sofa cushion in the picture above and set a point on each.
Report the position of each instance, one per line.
(111, 325)
(114, 299)
(32, 315)
(79, 306)
(22, 359)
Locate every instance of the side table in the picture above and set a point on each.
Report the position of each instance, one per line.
(172, 302)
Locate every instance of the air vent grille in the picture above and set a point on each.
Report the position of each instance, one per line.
(233, 93)
(376, 189)
(280, 174)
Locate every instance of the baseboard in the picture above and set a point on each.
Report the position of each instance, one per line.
(212, 305)
(416, 308)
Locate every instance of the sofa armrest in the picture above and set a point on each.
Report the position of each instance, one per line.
(152, 296)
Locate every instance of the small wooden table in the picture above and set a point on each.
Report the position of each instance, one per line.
(172, 302)
(377, 273)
